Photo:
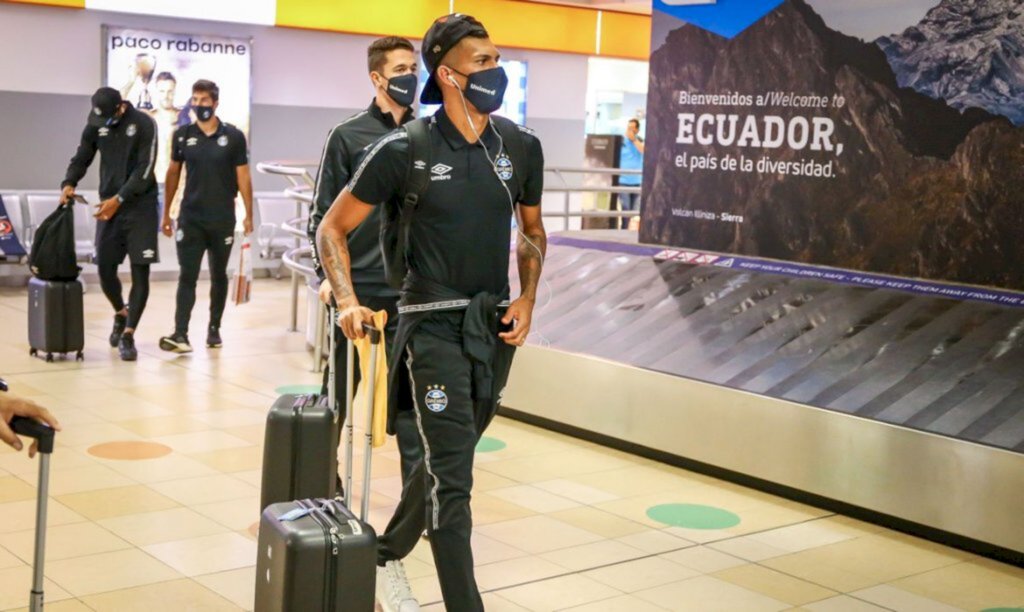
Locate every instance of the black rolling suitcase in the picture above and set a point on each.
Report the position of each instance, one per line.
(56, 317)
(300, 447)
(314, 554)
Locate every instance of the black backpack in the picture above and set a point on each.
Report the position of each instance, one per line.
(52, 257)
(396, 220)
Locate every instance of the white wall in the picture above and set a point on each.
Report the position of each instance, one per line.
(304, 83)
(57, 51)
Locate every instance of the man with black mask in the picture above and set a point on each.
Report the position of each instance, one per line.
(216, 159)
(128, 215)
(457, 330)
(392, 64)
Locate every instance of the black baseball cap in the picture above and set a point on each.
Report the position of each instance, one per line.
(105, 103)
(444, 34)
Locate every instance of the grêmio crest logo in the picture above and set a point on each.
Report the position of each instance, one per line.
(503, 167)
(436, 398)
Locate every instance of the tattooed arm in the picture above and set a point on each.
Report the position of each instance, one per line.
(530, 257)
(345, 214)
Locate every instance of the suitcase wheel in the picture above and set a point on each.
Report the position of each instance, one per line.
(80, 356)
(33, 352)
(49, 358)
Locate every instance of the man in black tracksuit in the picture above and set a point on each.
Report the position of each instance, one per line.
(217, 168)
(128, 214)
(454, 296)
(393, 68)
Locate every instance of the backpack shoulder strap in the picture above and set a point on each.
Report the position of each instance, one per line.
(417, 180)
(417, 177)
(512, 137)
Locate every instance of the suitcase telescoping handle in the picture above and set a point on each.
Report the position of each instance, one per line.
(375, 336)
(45, 436)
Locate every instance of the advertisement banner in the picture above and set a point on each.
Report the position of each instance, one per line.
(10, 246)
(873, 135)
(155, 71)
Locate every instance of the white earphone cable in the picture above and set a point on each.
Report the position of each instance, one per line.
(511, 201)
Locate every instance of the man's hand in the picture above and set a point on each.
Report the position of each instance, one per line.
(326, 293)
(12, 406)
(351, 320)
(521, 313)
(167, 227)
(66, 194)
(247, 226)
(106, 209)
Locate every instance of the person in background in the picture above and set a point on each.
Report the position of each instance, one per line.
(216, 159)
(630, 158)
(129, 213)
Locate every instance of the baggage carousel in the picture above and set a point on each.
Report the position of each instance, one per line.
(904, 408)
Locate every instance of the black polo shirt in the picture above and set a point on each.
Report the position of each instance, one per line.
(462, 229)
(211, 180)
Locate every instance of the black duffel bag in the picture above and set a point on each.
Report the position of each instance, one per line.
(52, 257)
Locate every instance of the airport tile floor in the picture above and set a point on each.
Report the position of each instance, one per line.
(155, 484)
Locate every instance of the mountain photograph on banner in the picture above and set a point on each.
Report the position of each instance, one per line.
(885, 136)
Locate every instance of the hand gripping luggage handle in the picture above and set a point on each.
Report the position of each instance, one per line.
(34, 429)
(45, 436)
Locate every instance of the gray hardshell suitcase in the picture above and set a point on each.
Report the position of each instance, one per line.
(314, 554)
(56, 318)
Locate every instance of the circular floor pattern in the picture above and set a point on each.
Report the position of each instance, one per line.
(1003, 610)
(129, 450)
(297, 389)
(693, 516)
(489, 445)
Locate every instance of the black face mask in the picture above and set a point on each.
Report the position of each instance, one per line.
(402, 89)
(486, 89)
(203, 113)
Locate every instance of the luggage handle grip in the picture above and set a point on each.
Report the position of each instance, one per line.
(372, 332)
(34, 429)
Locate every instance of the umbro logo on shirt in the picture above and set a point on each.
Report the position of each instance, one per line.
(191, 142)
(441, 172)
(104, 131)
(148, 254)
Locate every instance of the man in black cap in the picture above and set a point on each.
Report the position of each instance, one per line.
(393, 71)
(216, 159)
(457, 331)
(128, 214)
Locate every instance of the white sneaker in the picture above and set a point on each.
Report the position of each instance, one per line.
(393, 591)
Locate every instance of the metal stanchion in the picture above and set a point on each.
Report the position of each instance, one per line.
(295, 302)
(318, 340)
